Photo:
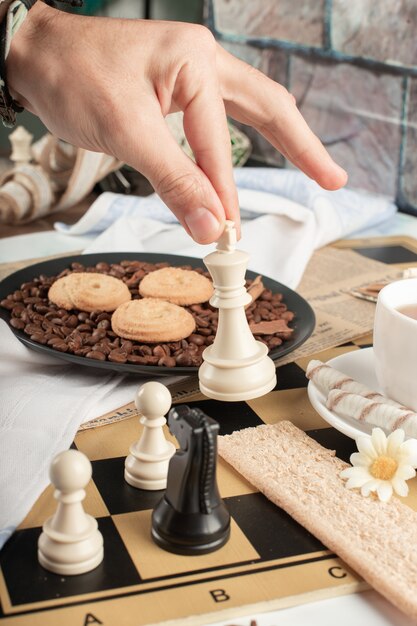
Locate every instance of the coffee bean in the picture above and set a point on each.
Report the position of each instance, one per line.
(184, 359)
(160, 351)
(77, 266)
(116, 356)
(102, 266)
(17, 323)
(116, 273)
(42, 309)
(33, 300)
(103, 348)
(72, 321)
(135, 358)
(82, 351)
(274, 342)
(167, 361)
(83, 327)
(18, 310)
(30, 329)
(198, 340)
(61, 346)
(152, 360)
(57, 330)
(39, 338)
(201, 322)
(54, 340)
(57, 321)
(145, 350)
(135, 279)
(104, 324)
(7, 304)
(17, 296)
(94, 354)
(98, 333)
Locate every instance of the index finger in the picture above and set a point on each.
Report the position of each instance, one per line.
(205, 125)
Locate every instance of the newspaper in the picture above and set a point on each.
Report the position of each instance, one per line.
(327, 285)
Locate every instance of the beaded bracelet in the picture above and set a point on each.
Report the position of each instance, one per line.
(12, 21)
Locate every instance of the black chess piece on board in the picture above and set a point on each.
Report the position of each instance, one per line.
(192, 518)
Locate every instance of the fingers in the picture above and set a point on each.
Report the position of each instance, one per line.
(205, 126)
(202, 194)
(252, 98)
(181, 183)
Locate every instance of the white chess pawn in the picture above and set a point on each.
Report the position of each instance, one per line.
(146, 466)
(236, 366)
(21, 141)
(70, 542)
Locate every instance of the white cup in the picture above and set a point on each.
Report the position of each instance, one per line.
(395, 343)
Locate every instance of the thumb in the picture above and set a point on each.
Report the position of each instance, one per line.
(179, 182)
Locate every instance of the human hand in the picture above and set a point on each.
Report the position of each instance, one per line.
(106, 84)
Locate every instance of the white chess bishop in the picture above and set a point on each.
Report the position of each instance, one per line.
(146, 466)
(236, 366)
(70, 543)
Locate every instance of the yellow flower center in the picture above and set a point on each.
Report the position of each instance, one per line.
(384, 468)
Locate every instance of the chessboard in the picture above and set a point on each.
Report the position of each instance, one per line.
(270, 561)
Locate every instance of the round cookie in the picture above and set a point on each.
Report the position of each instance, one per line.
(89, 291)
(151, 320)
(176, 285)
(59, 295)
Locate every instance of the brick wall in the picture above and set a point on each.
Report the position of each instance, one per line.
(352, 66)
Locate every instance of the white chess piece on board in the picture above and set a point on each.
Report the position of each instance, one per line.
(146, 466)
(236, 366)
(70, 543)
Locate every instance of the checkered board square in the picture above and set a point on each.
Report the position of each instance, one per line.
(270, 561)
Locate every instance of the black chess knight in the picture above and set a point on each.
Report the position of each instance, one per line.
(192, 518)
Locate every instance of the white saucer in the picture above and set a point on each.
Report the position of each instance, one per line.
(358, 364)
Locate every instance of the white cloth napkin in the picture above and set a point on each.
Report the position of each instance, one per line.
(44, 401)
(286, 216)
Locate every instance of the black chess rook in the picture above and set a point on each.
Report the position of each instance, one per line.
(192, 518)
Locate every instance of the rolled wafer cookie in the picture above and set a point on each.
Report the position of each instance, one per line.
(352, 405)
(89, 291)
(179, 286)
(326, 378)
(152, 321)
(377, 539)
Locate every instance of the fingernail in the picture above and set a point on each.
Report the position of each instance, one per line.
(203, 225)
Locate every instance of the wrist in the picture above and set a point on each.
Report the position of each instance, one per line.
(4, 5)
(26, 52)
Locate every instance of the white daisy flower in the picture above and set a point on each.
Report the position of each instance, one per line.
(383, 464)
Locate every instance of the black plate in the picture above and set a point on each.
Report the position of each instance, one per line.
(303, 323)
